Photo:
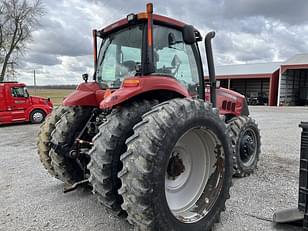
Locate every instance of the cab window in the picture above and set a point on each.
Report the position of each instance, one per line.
(119, 56)
(19, 92)
(173, 57)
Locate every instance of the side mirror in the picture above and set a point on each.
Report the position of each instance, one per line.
(189, 34)
(85, 77)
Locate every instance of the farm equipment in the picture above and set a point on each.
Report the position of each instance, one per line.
(16, 105)
(147, 133)
(257, 98)
(299, 215)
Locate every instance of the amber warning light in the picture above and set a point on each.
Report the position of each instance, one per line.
(131, 83)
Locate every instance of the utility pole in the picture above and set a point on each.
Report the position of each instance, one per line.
(34, 81)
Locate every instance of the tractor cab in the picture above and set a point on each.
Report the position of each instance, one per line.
(121, 56)
(148, 45)
(146, 55)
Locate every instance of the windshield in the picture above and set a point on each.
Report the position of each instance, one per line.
(119, 56)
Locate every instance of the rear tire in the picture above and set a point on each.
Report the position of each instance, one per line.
(44, 137)
(109, 145)
(148, 168)
(246, 145)
(65, 133)
(37, 116)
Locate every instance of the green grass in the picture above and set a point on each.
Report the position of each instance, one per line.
(56, 95)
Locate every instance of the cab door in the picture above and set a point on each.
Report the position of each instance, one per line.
(20, 102)
(5, 116)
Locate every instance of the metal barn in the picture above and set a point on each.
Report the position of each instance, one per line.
(258, 82)
(293, 84)
(272, 84)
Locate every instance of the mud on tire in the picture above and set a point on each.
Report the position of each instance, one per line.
(246, 145)
(67, 128)
(44, 137)
(109, 145)
(148, 168)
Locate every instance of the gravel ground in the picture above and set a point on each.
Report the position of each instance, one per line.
(31, 200)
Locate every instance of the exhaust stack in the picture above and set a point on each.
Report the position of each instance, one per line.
(94, 33)
(211, 67)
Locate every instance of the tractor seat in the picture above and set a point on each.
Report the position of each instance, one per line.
(130, 65)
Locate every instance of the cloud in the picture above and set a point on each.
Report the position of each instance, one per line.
(247, 31)
(286, 11)
(43, 59)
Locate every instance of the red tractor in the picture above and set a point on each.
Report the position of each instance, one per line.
(16, 105)
(147, 134)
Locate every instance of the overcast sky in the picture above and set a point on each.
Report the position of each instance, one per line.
(248, 31)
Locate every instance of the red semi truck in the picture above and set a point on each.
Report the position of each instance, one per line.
(16, 105)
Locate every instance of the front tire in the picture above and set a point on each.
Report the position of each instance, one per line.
(246, 145)
(44, 137)
(108, 146)
(162, 186)
(65, 133)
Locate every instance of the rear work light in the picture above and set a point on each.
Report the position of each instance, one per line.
(131, 17)
(131, 83)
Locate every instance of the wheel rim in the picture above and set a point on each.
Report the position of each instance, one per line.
(194, 175)
(248, 147)
(37, 117)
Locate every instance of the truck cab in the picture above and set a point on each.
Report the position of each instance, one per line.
(16, 105)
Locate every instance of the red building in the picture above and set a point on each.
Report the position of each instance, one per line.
(273, 84)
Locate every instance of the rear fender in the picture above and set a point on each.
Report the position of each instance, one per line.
(86, 94)
(146, 84)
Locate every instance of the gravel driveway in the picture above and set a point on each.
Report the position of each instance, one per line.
(31, 200)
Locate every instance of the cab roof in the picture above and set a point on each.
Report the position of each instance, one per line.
(158, 19)
(12, 84)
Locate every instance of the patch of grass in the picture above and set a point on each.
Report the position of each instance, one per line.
(56, 95)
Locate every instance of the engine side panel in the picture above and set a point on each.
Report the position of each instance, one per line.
(229, 102)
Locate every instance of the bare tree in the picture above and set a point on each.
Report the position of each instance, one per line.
(18, 19)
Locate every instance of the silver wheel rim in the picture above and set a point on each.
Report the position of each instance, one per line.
(37, 117)
(192, 175)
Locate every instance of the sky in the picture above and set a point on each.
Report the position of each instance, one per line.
(247, 31)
